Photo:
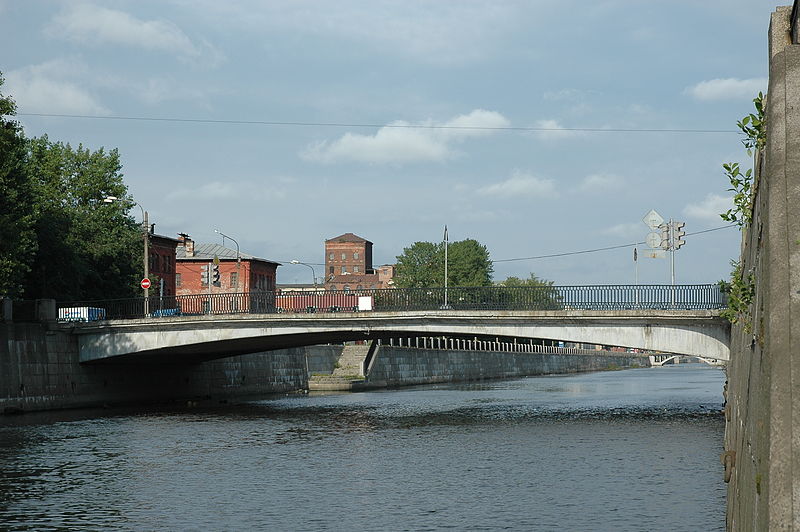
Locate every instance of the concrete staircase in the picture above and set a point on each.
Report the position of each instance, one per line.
(347, 374)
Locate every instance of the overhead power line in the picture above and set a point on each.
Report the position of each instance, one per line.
(596, 250)
(378, 126)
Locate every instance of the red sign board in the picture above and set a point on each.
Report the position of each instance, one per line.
(145, 283)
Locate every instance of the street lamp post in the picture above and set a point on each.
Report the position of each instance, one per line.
(238, 255)
(313, 275)
(146, 235)
(224, 236)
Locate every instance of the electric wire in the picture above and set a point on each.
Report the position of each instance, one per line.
(379, 126)
(596, 250)
(569, 253)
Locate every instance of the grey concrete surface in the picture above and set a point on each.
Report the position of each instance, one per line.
(763, 429)
(696, 333)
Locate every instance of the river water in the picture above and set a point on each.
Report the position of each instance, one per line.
(626, 450)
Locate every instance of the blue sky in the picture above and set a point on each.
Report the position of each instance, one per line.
(557, 65)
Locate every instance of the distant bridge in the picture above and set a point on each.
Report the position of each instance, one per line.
(681, 319)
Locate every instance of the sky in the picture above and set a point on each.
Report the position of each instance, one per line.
(537, 127)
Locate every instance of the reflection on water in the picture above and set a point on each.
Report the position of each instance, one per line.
(626, 450)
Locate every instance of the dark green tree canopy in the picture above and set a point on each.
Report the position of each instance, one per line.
(422, 265)
(87, 249)
(17, 204)
(533, 280)
(57, 238)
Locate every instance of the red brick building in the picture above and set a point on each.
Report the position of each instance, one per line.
(161, 251)
(244, 274)
(348, 265)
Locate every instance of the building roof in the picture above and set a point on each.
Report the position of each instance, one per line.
(209, 251)
(348, 237)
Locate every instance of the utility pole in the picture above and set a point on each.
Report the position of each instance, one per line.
(446, 242)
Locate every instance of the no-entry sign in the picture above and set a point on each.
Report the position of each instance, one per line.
(145, 283)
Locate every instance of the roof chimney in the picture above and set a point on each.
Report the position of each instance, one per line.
(187, 243)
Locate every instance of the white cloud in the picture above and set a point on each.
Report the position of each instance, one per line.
(92, 24)
(552, 130)
(432, 32)
(398, 143)
(53, 87)
(600, 183)
(629, 230)
(709, 208)
(229, 190)
(521, 184)
(727, 89)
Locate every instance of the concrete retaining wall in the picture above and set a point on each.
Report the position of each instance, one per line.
(39, 370)
(403, 366)
(762, 437)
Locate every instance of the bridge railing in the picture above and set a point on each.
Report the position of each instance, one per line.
(595, 297)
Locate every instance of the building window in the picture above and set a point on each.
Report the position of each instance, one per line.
(234, 279)
(330, 255)
(355, 255)
(330, 269)
(344, 256)
(344, 269)
(359, 287)
(347, 288)
(177, 279)
(355, 268)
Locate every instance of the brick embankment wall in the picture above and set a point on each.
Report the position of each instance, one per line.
(39, 370)
(762, 437)
(405, 366)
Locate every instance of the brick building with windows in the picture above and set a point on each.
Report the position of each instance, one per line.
(348, 265)
(242, 274)
(161, 251)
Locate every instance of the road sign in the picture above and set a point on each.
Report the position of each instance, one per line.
(145, 283)
(655, 253)
(653, 240)
(652, 219)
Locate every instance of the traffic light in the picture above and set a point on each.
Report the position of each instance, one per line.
(204, 274)
(665, 240)
(677, 241)
(215, 274)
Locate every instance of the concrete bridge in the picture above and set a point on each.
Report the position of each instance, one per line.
(701, 333)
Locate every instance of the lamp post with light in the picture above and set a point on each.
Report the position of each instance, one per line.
(146, 231)
(313, 274)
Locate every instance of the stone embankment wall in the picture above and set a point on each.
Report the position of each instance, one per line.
(39, 370)
(404, 366)
(762, 439)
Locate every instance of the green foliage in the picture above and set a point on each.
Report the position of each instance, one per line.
(17, 236)
(530, 281)
(533, 291)
(741, 291)
(87, 249)
(422, 265)
(754, 128)
(742, 212)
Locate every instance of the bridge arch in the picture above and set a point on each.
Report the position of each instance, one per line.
(693, 333)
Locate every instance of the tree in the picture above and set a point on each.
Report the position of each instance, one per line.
(422, 265)
(532, 292)
(17, 235)
(87, 249)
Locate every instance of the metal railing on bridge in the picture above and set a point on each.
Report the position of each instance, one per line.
(597, 297)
